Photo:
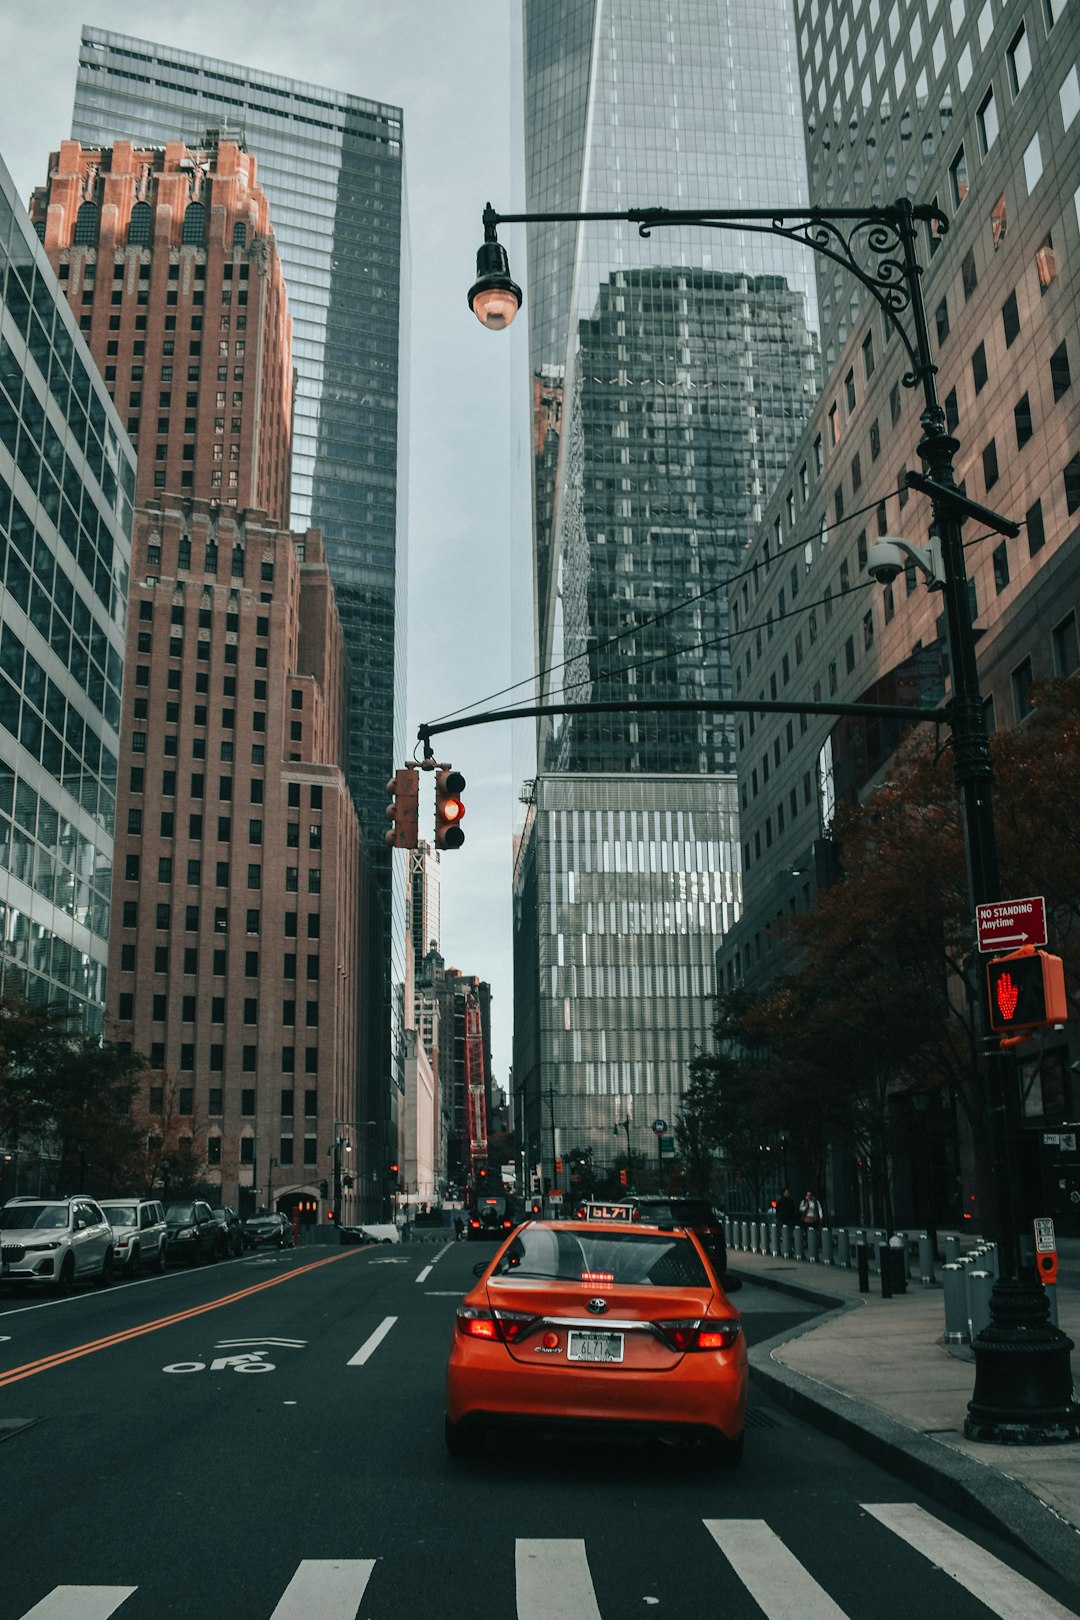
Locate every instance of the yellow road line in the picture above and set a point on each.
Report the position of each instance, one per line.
(14, 1375)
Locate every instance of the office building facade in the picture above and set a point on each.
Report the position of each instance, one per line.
(233, 951)
(977, 109)
(672, 374)
(333, 169)
(67, 482)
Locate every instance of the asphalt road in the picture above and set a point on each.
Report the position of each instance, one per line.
(262, 1440)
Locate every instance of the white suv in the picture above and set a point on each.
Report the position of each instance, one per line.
(55, 1241)
(139, 1234)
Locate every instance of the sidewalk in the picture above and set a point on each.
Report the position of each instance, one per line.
(876, 1373)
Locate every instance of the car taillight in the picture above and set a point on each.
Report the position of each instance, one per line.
(509, 1326)
(702, 1333)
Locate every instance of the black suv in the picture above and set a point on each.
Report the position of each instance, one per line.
(694, 1213)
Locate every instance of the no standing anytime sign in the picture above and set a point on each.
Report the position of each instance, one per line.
(1006, 924)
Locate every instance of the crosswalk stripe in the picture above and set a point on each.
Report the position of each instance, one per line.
(772, 1575)
(553, 1581)
(80, 1603)
(1004, 1592)
(372, 1343)
(328, 1587)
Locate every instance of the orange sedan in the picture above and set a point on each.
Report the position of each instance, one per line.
(602, 1321)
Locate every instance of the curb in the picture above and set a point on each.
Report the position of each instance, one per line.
(978, 1490)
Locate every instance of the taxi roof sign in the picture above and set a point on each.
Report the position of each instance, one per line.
(608, 1212)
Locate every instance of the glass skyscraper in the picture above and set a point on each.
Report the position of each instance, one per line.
(67, 479)
(672, 374)
(332, 166)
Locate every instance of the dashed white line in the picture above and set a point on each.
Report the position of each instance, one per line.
(773, 1576)
(80, 1603)
(371, 1344)
(553, 1581)
(424, 1275)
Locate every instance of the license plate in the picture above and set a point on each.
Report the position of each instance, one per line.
(594, 1346)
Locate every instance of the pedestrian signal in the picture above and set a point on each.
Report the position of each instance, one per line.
(1026, 990)
(449, 809)
(403, 811)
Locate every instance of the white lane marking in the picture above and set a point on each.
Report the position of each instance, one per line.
(1004, 1592)
(225, 1344)
(424, 1275)
(80, 1603)
(772, 1574)
(370, 1345)
(553, 1581)
(329, 1587)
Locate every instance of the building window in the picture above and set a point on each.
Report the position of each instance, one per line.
(1022, 677)
(1036, 531)
(1046, 265)
(978, 368)
(1072, 484)
(1001, 567)
(1060, 374)
(1066, 646)
(958, 177)
(969, 274)
(941, 321)
(999, 221)
(1019, 59)
(987, 121)
(1022, 418)
(1010, 319)
(990, 464)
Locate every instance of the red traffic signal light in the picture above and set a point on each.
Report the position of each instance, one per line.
(624, 1177)
(449, 809)
(1026, 990)
(403, 811)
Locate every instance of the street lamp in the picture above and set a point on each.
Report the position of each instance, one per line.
(1023, 1381)
(342, 1143)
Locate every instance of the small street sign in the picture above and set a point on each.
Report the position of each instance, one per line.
(659, 1126)
(1045, 1241)
(1004, 924)
(667, 1146)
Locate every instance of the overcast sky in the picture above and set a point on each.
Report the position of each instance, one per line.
(453, 67)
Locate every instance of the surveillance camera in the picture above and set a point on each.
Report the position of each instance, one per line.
(884, 561)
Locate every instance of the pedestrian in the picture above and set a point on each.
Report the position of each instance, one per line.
(459, 1228)
(809, 1211)
(785, 1208)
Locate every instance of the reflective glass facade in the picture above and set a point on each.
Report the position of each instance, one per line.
(332, 167)
(672, 374)
(67, 478)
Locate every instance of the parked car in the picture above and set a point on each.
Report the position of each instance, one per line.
(269, 1231)
(600, 1323)
(230, 1231)
(140, 1236)
(55, 1242)
(193, 1232)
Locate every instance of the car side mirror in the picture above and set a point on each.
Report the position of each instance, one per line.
(479, 1268)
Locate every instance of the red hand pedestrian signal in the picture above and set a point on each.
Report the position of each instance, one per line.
(1026, 991)
(1008, 994)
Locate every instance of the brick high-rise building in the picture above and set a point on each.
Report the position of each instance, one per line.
(233, 955)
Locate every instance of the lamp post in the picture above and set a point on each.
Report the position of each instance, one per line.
(1023, 1381)
(342, 1143)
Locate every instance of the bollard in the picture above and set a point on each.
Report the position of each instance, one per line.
(813, 1244)
(826, 1246)
(954, 1284)
(894, 1260)
(951, 1250)
(885, 1271)
(774, 1240)
(753, 1237)
(877, 1238)
(785, 1242)
(862, 1255)
(979, 1288)
(745, 1240)
(926, 1259)
(843, 1249)
(1051, 1295)
(797, 1242)
(729, 1236)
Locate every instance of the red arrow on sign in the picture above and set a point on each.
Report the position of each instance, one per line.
(1007, 923)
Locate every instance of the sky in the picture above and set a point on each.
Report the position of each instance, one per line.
(453, 67)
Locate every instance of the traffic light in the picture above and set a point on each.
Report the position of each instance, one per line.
(624, 1178)
(1027, 991)
(392, 1173)
(324, 1188)
(403, 811)
(449, 809)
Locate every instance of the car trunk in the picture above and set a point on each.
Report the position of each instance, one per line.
(567, 1333)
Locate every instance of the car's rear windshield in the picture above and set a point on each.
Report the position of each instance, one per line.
(120, 1214)
(180, 1212)
(635, 1258)
(41, 1217)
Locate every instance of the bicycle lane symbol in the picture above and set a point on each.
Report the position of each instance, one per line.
(247, 1361)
